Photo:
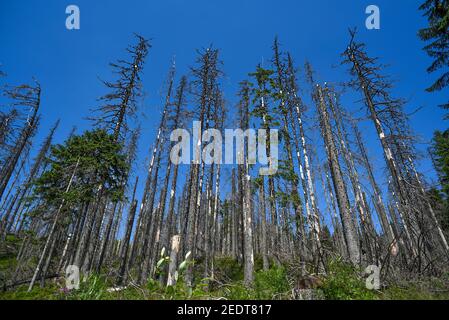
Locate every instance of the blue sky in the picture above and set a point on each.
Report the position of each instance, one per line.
(68, 64)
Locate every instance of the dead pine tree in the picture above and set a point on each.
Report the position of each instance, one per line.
(28, 97)
(220, 117)
(206, 79)
(391, 125)
(177, 118)
(368, 232)
(377, 197)
(120, 103)
(214, 157)
(152, 213)
(48, 247)
(282, 82)
(297, 110)
(243, 161)
(121, 278)
(24, 190)
(349, 226)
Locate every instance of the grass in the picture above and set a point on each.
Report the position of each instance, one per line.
(342, 282)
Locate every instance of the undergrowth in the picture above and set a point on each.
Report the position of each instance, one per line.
(342, 282)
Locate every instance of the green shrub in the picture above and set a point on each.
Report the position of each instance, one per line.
(228, 269)
(425, 289)
(343, 282)
(94, 288)
(407, 293)
(50, 292)
(271, 283)
(237, 291)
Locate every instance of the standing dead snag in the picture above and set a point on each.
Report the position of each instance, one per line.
(248, 252)
(141, 236)
(127, 238)
(378, 201)
(391, 125)
(282, 87)
(24, 96)
(368, 234)
(153, 215)
(349, 227)
(171, 281)
(297, 109)
(260, 182)
(206, 77)
(48, 248)
(213, 196)
(26, 187)
(176, 119)
(120, 103)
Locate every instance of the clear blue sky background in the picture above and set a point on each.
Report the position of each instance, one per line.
(35, 42)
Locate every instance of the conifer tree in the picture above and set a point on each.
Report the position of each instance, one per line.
(437, 33)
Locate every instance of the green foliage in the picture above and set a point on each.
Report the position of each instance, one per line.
(268, 285)
(94, 288)
(179, 291)
(8, 253)
(49, 292)
(440, 156)
(429, 289)
(101, 162)
(271, 284)
(437, 33)
(228, 269)
(344, 282)
(264, 89)
(238, 291)
(408, 293)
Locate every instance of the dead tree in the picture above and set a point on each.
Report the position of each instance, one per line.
(367, 229)
(49, 244)
(120, 103)
(242, 157)
(379, 203)
(177, 122)
(390, 123)
(28, 97)
(151, 213)
(37, 165)
(122, 273)
(282, 83)
(206, 76)
(349, 227)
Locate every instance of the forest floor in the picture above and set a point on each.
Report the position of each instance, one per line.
(342, 282)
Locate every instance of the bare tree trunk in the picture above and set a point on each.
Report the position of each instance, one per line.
(349, 230)
(26, 96)
(51, 233)
(171, 281)
(263, 218)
